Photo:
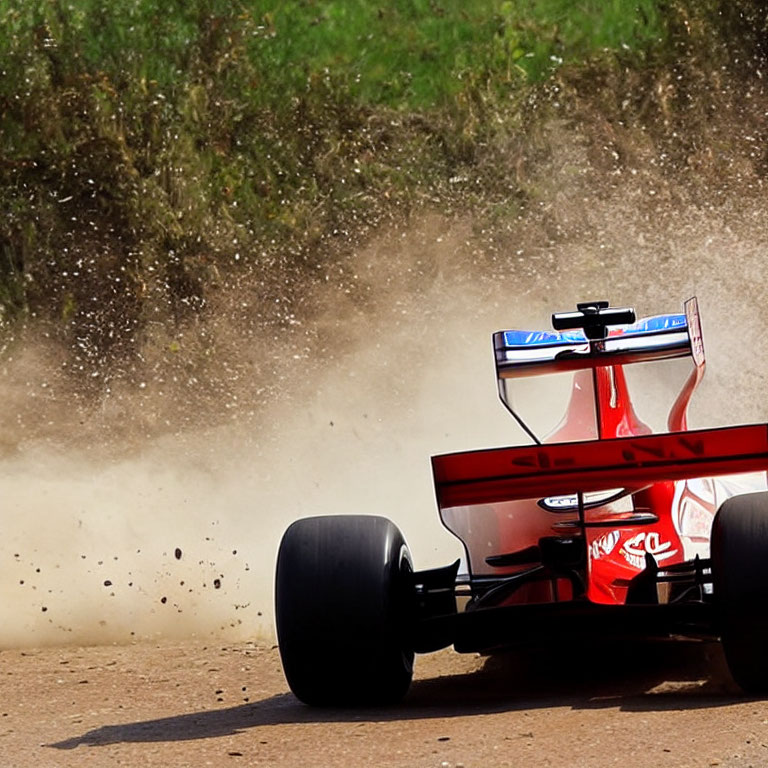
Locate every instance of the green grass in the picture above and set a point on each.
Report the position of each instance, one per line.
(405, 53)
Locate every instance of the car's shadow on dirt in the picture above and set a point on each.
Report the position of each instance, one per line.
(668, 676)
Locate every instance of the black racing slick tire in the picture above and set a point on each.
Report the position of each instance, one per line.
(740, 587)
(343, 608)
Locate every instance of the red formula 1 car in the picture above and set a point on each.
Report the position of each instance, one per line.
(604, 528)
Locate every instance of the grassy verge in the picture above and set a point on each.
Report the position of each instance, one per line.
(152, 151)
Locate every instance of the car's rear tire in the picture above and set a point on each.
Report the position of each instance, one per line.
(740, 587)
(343, 609)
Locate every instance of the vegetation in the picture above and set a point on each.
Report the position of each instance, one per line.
(154, 151)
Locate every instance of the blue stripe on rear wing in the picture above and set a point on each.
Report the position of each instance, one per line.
(526, 353)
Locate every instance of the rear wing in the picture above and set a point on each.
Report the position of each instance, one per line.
(524, 472)
(531, 353)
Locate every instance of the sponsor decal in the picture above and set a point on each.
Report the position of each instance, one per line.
(693, 509)
(635, 548)
(696, 501)
(605, 544)
(695, 519)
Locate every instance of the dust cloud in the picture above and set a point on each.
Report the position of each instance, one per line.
(177, 534)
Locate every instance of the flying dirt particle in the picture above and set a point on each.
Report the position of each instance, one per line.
(21, 581)
(44, 609)
(234, 551)
(235, 754)
(163, 600)
(217, 583)
(107, 583)
(177, 553)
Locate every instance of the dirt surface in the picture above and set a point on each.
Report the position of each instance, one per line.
(190, 705)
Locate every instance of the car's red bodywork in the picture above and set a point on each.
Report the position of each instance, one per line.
(660, 465)
(660, 492)
(602, 530)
